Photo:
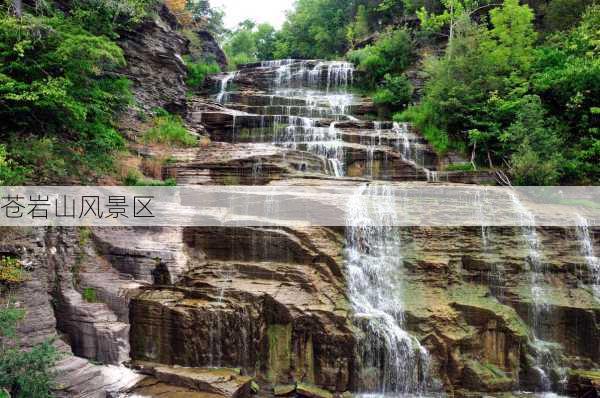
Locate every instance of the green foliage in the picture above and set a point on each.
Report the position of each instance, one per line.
(564, 14)
(566, 78)
(495, 91)
(423, 117)
(169, 129)
(136, 179)
(250, 43)
(56, 82)
(24, 373)
(11, 271)
(107, 17)
(533, 138)
(395, 92)
(391, 54)
(197, 72)
(358, 29)
(315, 29)
(89, 295)
(9, 174)
(209, 18)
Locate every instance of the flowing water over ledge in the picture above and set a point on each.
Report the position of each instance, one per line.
(302, 96)
(308, 109)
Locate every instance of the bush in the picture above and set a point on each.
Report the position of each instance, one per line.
(169, 129)
(11, 271)
(56, 86)
(392, 53)
(89, 295)
(420, 115)
(395, 92)
(9, 174)
(137, 179)
(25, 373)
(197, 72)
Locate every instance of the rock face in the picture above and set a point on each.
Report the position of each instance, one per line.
(274, 306)
(210, 49)
(153, 52)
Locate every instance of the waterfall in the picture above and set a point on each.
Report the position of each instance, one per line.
(401, 131)
(374, 264)
(545, 356)
(221, 97)
(587, 251)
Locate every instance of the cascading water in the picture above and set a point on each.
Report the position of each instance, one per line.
(222, 96)
(391, 360)
(587, 251)
(545, 352)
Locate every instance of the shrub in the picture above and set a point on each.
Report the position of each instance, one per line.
(395, 92)
(392, 53)
(11, 271)
(169, 129)
(24, 373)
(197, 72)
(420, 116)
(89, 295)
(136, 179)
(9, 174)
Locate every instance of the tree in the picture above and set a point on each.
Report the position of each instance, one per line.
(512, 37)
(315, 29)
(359, 29)
(24, 373)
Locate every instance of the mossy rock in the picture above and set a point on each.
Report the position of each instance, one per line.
(591, 377)
(282, 390)
(475, 301)
(254, 387)
(310, 391)
(486, 377)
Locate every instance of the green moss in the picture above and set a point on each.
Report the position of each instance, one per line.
(284, 389)
(586, 374)
(305, 364)
(486, 376)
(308, 390)
(280, 358)
(478, 297)
(85, 234)
(89, 295)
(11, 271)
(231, 180)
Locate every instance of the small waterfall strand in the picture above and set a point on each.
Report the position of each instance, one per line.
(587, 251)
(387, 350)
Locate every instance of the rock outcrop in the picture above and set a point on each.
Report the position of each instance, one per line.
(210, 49)
(153, 51)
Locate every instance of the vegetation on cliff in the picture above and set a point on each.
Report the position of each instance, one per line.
(59, 90)
(515, 88)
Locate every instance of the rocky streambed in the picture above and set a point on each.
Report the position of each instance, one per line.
(310, 311)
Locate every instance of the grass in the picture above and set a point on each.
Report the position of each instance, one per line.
(136, 179)
(89, 295)
(419, 115)
(169, 129)
(197, 72)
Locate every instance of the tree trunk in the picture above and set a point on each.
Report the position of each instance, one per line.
(18, 8)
